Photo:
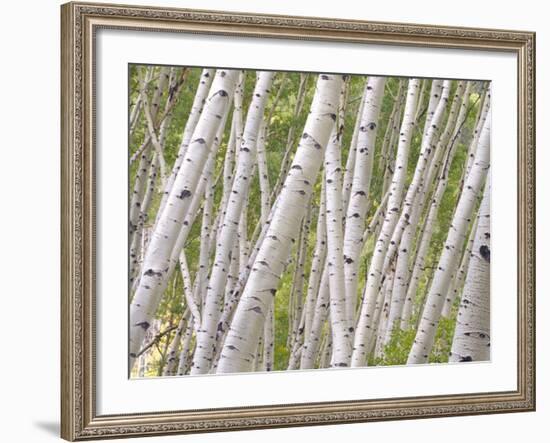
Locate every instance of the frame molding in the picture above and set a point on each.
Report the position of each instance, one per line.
(79, 21)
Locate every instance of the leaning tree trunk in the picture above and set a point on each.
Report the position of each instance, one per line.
(374, 276)
(431, 220)
(228, 233)
(157, 257)
(240, 345)
(201, 95)
(426, 154)
(341, 318)
(448, 261)
(359, 195)
(472, 338)
(412, 210)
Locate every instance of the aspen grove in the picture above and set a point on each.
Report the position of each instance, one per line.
(286, 221)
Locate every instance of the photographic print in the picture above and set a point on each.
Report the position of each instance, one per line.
(294, 220)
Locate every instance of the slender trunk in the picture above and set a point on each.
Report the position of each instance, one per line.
(317, 263)
(313, 340)
(359, 196)
(448, 261)
(427, 151)
(430, 223)
(363, 330)
(201, 95)
(472, 338)
(156, 263)
(262, 284)
(458, 279)
(228, 235)
(340, 314)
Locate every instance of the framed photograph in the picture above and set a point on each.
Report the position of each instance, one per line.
(282, 221)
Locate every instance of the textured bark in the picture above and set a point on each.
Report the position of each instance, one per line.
(416, 205)
(359, 196)
(143, 168)
(312, 341)
(352, 155)
(472, 339)
(449, 258)
(239, 347)
(207, 75)
(156, 263)
(317, 263)
(431, 218)
(427, 151)
(300, 98)
(374, 276)
(296, 293)
(340, 315)
(458, 279)
(228, 231)
(265, 201)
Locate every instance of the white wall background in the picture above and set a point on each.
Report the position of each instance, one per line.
(29, 220)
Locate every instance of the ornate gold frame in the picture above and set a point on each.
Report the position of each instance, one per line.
(79, 420)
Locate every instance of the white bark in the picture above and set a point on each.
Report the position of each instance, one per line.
(352, 155)
(449, 258)
(416, 205)
(263, 175)
(239, 347)
(458, 279)
(359, 196)
(156, 263)
(312, 341)
(140, 179)
(207, 75)
(317, 263)
(228, 234)
(340, 316)
(472, 337)
(363, 330)
(431, 218)
(427, 151)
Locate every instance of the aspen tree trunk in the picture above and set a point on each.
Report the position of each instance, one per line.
(435, 98)
(427, 151)
(239, 347)
(263, 176)
(228, 234)
(207, 75)
(352, 154)
(156, 262)
(269, 338)
(317, 263)
(313, 340)
(381, 325)
(458, 281)
(430, 223)
(374, 276)
(172, 357)
(391, 127)
(296, 292)
(140, 179)
(449, 258)
(235, 138)
(192, 211)
(472, 338)
(359, 196)
(290, 137)
(415, 205)
(340, 315)
(477, 132)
